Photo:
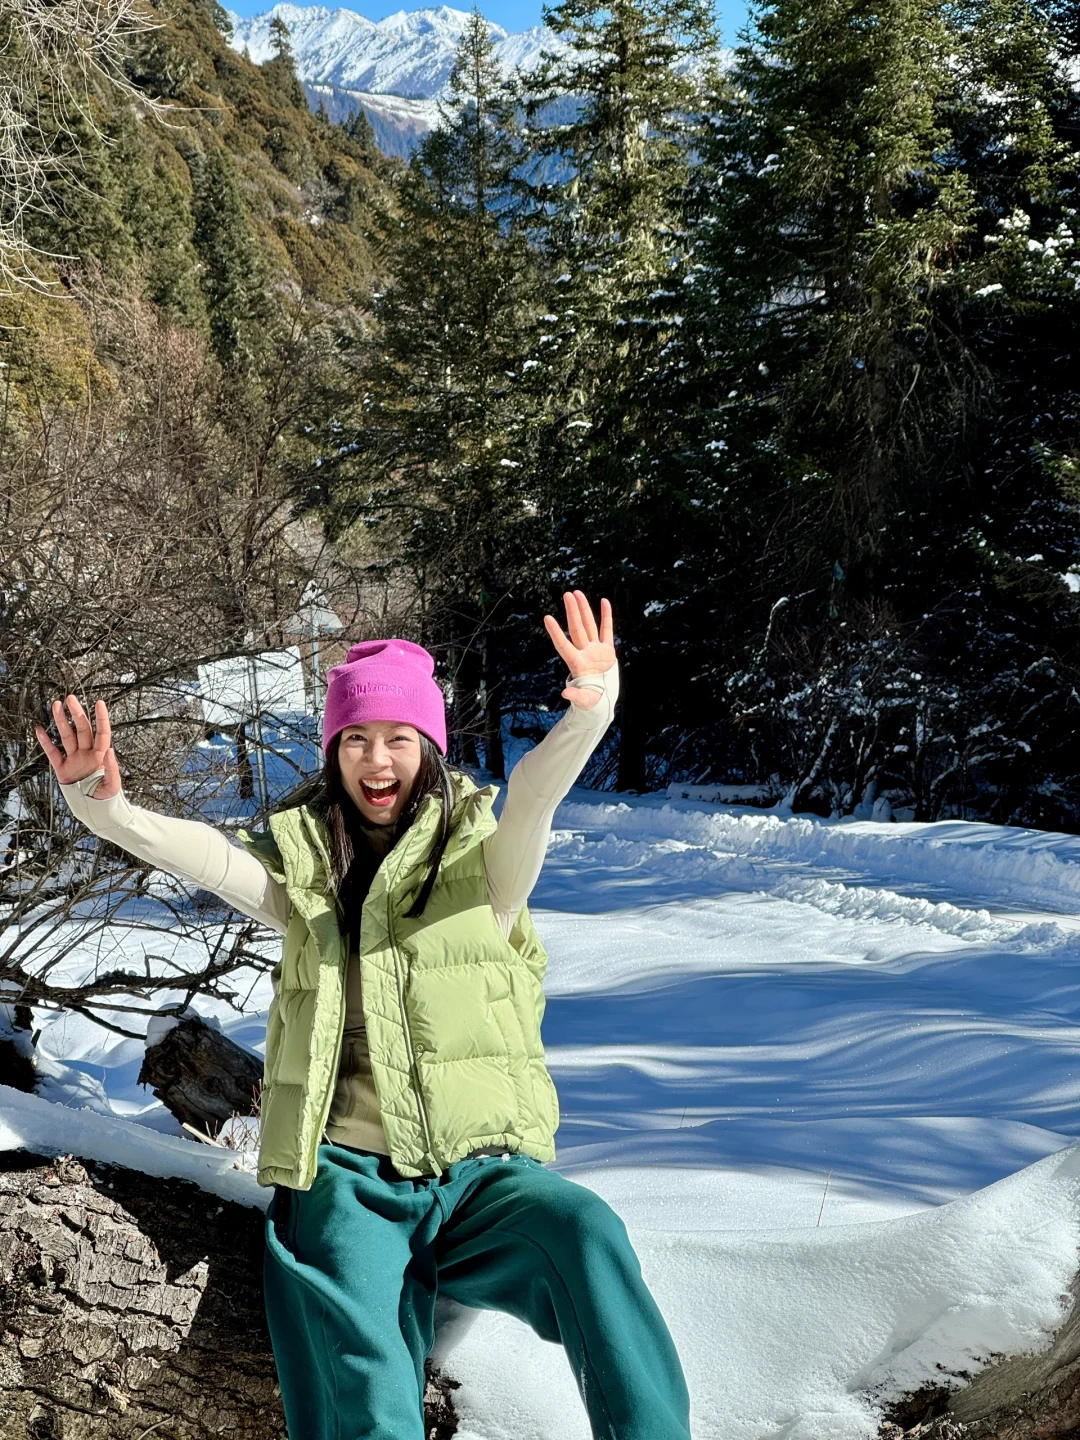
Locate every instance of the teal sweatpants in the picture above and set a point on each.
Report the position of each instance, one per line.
(353, 1265)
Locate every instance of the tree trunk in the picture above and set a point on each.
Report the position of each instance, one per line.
(131, 1306)
(246, 787)
(1025, 1397)
(631, 769)
(464, 718)
(494, 760)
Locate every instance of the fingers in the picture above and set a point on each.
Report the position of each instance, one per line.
(607, 631)
(111, 784)
(68, 739)
(84, 731)
(55, 755)
(78, 733)
(573, 619)
(585, 612)
(581, 624)
(559, 640)
(104, 726)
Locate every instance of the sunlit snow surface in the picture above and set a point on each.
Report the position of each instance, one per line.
(796, 1056)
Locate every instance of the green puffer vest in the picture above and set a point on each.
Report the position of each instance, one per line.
(452, 1007)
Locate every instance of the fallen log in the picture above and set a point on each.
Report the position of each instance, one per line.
(201, 1075)
(131, 1307)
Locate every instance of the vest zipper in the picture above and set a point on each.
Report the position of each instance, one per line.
(328, 1103)
(408, 1036)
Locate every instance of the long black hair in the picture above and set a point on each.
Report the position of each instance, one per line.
(351, 870)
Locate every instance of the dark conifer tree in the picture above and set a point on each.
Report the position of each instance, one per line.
(611, 118)
(358, 128)
(860, 175)
(433, 468)
(83, 213)
(234, 274)
(218, 14)
(827, 215)
(286, 142)
(995, 567)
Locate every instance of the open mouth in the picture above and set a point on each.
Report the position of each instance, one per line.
(380, 793)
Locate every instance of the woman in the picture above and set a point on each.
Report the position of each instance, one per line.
(407, 1114)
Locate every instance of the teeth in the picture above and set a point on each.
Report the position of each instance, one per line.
(380, 784)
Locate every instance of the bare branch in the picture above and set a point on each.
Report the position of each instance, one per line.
(53, 54)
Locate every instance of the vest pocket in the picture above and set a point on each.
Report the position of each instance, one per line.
(344, 1101)
(283, 1216)
(551, 1094)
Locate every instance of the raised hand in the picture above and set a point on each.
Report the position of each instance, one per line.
(84, 751)
(588, 650)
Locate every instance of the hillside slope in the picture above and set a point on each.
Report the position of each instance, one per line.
(240, 175)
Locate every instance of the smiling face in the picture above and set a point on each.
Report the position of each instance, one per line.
(379, 760)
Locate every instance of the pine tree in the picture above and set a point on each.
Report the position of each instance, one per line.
(834, 215)
(860, 176)
(1005, 627)
(825, 216)
(286, 142)
(432, 470)
(83, 214)
(219, 15)
(611, 119)
(281, 41)
(234, 273)
(357, 127)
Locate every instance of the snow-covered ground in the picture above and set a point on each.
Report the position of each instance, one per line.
(827, 1072)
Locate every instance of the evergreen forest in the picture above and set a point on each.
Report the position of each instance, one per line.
(774, 346)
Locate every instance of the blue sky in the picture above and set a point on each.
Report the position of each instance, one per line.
(510, 14)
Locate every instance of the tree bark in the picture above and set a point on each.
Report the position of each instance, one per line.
(246, 788)
(465, 721)
(131, 1307)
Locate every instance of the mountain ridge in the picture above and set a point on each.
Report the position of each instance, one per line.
(409, 54)
(396, 69)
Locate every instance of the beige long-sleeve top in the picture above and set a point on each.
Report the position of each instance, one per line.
(513, 857)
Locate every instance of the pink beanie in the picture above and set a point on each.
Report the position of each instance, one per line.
(385, 680)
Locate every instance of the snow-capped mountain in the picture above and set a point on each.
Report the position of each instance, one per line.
(408, 54)
(396, 69)
(341, 55)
